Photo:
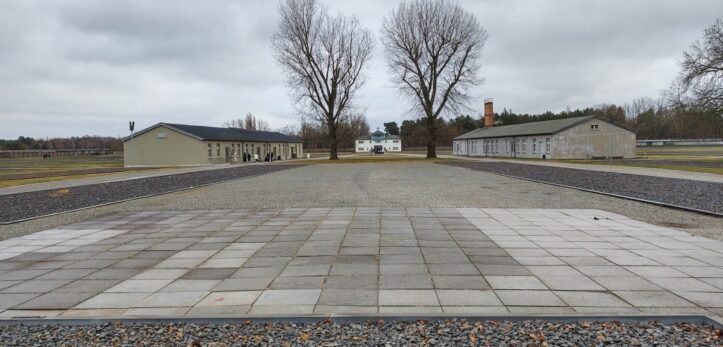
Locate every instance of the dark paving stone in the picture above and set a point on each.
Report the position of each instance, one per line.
(266, 261)
(491, 252)
(32, 256)
(135, 263)
(209, 274)
(35, 286)
(74, 256)
(405, 282)
(21, 275)
(55, 301)
(207, 246)
(66, 274)
(352, 282)
(49, 265)
(14, 265)
(87, 286)
(91, 264)
(356, 259)
(307, 282)
(313, 260)
(113, 274)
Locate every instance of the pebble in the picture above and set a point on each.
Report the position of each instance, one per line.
(452, 332)
(707, 196)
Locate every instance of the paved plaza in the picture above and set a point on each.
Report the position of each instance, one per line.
(347, 260)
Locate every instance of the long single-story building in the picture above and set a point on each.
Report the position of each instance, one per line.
(166, 144)
(379, 140)
(589, 137)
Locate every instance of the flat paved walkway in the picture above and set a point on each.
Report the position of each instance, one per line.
(359, 260)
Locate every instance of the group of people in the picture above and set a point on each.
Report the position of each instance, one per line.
(247, 157)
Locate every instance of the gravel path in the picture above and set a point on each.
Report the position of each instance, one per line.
(370, 333)
(707, 196)
(38, 203)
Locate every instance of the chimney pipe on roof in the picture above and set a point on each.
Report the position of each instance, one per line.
(489, 114)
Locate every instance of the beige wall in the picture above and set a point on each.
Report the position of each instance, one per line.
(176, 149)
(582, 142)
(148, 149)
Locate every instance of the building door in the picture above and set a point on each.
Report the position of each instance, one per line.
(293, 152)
(513, 145)
(228, 154)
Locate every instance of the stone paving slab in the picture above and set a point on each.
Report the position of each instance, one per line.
(359, 261)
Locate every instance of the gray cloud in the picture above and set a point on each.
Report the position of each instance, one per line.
(74, 67)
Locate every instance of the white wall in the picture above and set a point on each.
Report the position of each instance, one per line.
(363, 146)
(507, 147)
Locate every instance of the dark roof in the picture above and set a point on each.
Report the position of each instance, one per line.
(532, 128)
(205, 133)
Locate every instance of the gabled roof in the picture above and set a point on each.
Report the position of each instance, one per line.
(204, 133)
(534, 128)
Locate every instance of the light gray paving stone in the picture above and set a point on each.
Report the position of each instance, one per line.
(410, 309)
(190, 286)
(683, 284)
(475, 310)
(570, 283)
(112, 300)
(289, 297)
(701, 271)
(139, 286)
(35, 286)
(595, 270)
(526, 310)
(515, 282)
(459, 282)
(257, 272)
(468, 298)
(403, 269)
(348, 297)
(625, 283)
(590, 299)
(237, 298)
(156, 311)
(653, 299)
(172, 299)
(407, 298)
(353, 282)
(215, 311)
(529, 298)
(452, 269)
(703, 299)
(354, 269)
(355, 310)
(655, 271)
(243, 284)
(10, 300)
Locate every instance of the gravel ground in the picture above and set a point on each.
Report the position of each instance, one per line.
(385, 185)
(457, 332)
(707, 196)
(38, 203)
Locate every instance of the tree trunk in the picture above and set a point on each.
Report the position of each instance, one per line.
(332, 146)
(432, 144)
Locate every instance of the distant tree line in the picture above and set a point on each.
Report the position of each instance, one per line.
(84, 142)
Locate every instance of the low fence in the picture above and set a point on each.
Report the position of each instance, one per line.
(35, 153)
(680, 142)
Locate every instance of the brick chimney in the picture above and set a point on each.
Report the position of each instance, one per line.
(489, 114)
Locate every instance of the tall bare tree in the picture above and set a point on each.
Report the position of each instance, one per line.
(432, 48)
(249, 122)
(323, 57)
(699, 88)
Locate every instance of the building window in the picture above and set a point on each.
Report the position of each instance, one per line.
(594, 127)
(395, 141)
(524, 145)
(361, 142)
(360, 148)
(547, 145)
(534, 145)
(218, 149)
(210, 151)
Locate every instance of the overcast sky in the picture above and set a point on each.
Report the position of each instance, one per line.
(88, 67)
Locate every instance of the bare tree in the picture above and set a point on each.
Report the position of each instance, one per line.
(323, 57)
(432, 48)
(699, 88)
(250, 122)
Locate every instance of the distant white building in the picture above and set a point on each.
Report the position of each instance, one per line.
(379, 140)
